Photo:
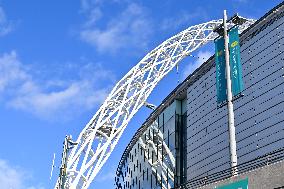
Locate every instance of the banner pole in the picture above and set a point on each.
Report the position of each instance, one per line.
(231, 124)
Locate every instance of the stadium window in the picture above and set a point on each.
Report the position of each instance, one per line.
(161, 184)
(156, 178)
(168, 138)
(167, 176)
(157, 151)
(163, 123)
(162, 152)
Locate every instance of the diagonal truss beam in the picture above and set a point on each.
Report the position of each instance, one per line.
(164, 161)
(99, 137)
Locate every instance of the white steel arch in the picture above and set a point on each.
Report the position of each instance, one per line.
(99, 137)
(165, 160)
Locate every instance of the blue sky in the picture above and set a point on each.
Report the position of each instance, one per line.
(59, 60)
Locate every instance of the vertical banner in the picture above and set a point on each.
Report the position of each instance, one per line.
(221, 82)
(235, 62)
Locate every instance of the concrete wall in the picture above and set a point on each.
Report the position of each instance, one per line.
(268, 177)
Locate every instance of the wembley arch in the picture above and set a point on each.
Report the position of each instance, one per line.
(83, 158)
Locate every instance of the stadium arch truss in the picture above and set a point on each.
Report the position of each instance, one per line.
(85, 157)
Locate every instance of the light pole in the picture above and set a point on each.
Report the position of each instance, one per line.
(231, 122)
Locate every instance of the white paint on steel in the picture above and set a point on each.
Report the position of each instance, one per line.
(99, 137)
(165, 160)
(52, 166)
(231, 121)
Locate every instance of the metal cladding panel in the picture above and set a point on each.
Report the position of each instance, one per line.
(220, 144)
(208, 164)
(272, 28)
(207, 129)
(259, 113)
(259, 44)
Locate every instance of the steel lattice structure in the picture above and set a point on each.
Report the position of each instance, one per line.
(165, 159)
(99, 137)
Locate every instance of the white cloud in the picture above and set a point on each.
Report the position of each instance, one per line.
(53, 97)
(129, 29)
(12, 177)
(11, 70)
(174, 22)
(87, 5)
(202, 56)
(183, 19)
(6, 26)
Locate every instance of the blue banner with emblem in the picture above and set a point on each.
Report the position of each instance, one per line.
(235, 62)
(221, 83)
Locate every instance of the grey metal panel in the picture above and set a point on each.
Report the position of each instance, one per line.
(207, 144)
(261, 45)
(210, 161)
(209, 152)
(277, 24)
(221, 167)
(245, 130)
(242, 112)
(259, 62)
(260, 151)
(267, 83)
(203, 151)
(213, 116)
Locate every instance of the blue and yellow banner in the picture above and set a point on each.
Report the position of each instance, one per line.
(235, 66)
(235, 62)
(221, 83)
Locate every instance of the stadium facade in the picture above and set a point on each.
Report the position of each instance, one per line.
(184, 142)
